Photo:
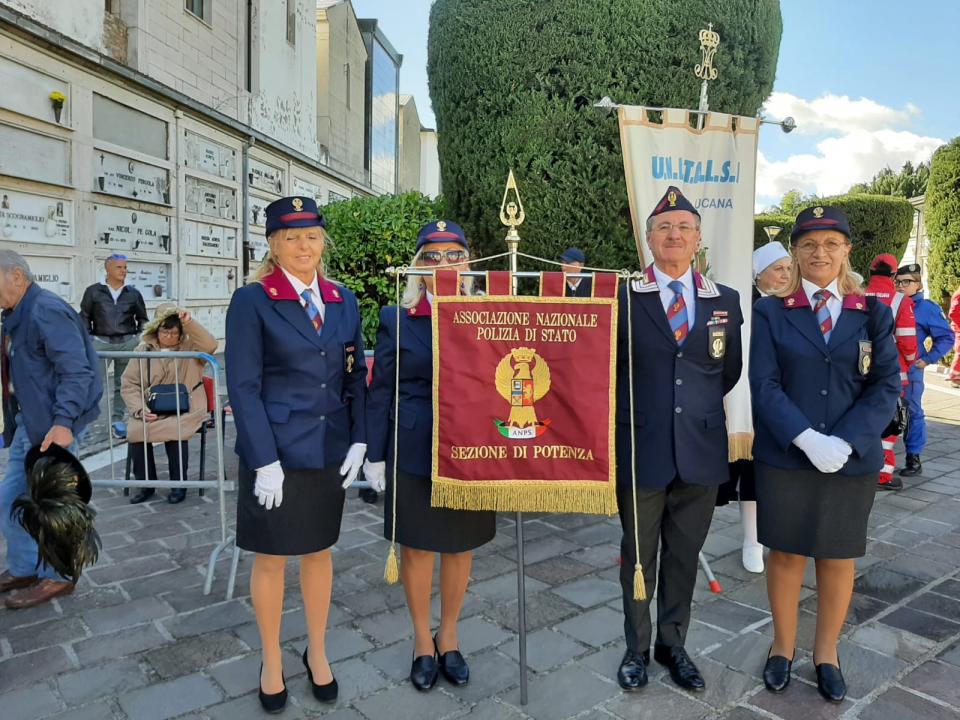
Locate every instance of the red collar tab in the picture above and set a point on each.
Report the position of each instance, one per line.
(648, 274)
(855, 302)
(421, 309)
(329, 291)
(278, 287)
(698, 281)
(797, 300)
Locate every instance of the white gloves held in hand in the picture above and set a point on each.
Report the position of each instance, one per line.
(376, 474)
(352, 463)
(828, 453)
(269, 485)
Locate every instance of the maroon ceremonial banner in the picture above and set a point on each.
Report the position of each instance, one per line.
(524, 402)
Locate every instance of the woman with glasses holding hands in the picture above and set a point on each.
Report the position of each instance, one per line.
(825, 379)
(421, 530)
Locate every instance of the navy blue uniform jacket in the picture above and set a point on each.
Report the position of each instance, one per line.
(415, 426)
(680, 426)
(798, 381)
(53, 366)
(297, 396)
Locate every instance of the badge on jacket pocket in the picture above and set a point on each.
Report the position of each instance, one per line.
(866, 357)
(718, 343)
(349, 357)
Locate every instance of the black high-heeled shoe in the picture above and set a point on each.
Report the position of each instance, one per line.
(272, 703)
(776, 672)
(324, 693)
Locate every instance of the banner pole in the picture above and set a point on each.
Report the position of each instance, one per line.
(512, 215)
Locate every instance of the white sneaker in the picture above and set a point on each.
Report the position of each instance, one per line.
(753, 558)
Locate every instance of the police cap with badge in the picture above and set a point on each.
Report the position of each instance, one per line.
(910, 269)
(672, 200)
(820, 217)
(293, 212)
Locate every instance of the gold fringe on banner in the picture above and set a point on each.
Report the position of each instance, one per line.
(593, 498)
(740, 446)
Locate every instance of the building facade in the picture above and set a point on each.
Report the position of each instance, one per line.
(382, 109)
(159, 129)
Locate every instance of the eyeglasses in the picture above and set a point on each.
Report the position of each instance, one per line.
(168, 331)
(907, 281)
(435, 257)
(683, 228)
(808, 247)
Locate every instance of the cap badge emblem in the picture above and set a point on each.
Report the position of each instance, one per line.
(441, 225)
(818, 212)
(297, 204)
(672, 198)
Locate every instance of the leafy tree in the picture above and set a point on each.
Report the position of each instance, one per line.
(909, 182)
(879, 224)
(792, 202)
(369, 234)
(942, 217)
(513, 83)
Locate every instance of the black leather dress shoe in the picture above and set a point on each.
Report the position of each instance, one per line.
(453, 666)
(830, 682)
(142, 495)
(682, 670)
(177, 495)
(275, 702)
(632, 674)
(324, 693)
(424, 672)
(776, 673)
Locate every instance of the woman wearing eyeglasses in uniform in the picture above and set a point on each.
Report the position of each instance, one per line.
(825, 378)
(421, 530)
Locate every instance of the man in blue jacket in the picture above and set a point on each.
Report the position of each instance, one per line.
(683, 333)
(934, 341)
(51, 392)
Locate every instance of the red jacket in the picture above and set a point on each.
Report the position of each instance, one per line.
(905, 325)
(954, 313)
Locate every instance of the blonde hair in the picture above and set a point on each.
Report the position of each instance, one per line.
(269, 263)
(414, 287)
(847, 282)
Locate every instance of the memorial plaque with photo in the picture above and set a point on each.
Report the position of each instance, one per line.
(264, 176)
(54, 274)
(257, 210)
(151, 279)
(122, 229)
(200, 153)
(117, 175)
(210, 282)
(305, 188)
(210, 240)
(257, 247)
(210, 199)
(33, 156)
(29, 218)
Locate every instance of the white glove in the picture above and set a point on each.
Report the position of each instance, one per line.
(376, 473)
(827, 453)
(352, 463)
(269, 485)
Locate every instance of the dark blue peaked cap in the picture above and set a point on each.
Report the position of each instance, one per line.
(821, 217)
(673, 199)
(293, 212)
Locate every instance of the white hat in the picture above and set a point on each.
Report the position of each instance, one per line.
(767, 255)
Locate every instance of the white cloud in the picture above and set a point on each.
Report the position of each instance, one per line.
(832, 113)
(860, 138)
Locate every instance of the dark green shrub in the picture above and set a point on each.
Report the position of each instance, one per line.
(513, 84)
(942, 216)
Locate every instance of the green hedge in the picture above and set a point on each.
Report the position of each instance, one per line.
(513, 83)
(878, 223)
(942, 216)
(368, 235)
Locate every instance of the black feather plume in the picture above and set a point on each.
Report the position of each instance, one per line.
(55, 515)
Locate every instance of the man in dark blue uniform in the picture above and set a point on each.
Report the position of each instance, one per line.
(934, 341)
(672, 453)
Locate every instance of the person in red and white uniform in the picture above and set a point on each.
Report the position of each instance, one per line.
(881, 286)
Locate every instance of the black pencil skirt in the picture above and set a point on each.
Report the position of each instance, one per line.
(423, 527)
(806, 512)
(307, 521)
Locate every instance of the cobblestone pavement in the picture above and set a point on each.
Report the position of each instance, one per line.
(140, 640)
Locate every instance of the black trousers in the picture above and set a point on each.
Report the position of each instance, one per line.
(173, 449)
(677, 519)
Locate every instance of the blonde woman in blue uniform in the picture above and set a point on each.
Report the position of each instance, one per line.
(421, 530)
(825, 378)
(297, 381)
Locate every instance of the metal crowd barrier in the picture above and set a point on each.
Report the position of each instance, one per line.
(219, 483)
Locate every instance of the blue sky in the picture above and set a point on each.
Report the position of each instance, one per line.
(871, 83)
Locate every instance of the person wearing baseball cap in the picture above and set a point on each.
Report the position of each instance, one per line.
(934, 339)
(297, 384)
(824, 379)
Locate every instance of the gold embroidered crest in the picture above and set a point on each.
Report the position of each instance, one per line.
(297, 204)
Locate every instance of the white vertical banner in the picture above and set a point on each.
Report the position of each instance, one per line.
(715, 168)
